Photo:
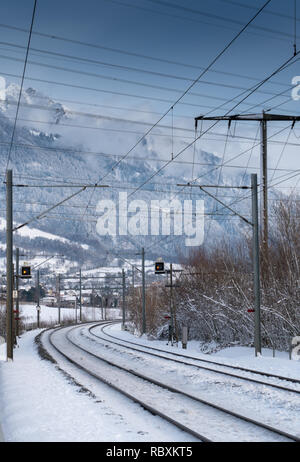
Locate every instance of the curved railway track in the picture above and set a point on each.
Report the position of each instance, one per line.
(197, 362)
(175, 405)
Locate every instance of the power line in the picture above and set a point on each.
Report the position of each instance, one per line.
(218, 166)
(162, 100)
(251, 91)
(159, 12)
(273, 13)
(115, 119)
(283, 67)
(234, 202)
(240, 154)
(41, 215)
(99, 90)
(89, 114)
(282, 152)
(214, 16)
(131, 82)
(85, 114)
(97, 46)
(33, 204)
(295, 27)
(224, 164)
(187, 90)
(269, 186)
(164, 183)
(113, 65)
(21, 87)
(124, 51)
(273, 185)
(230, 205)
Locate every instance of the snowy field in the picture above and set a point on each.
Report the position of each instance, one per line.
(39, 403)
(49, 314)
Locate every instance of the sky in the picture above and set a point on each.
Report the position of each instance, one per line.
(151, 35)
(153, 29)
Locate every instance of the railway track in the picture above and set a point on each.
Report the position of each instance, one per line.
(190, 413)
(197, 362)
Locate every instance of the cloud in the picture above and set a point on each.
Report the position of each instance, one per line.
(2, 87)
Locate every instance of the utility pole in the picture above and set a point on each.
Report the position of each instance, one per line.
(171, 302)
(264, 182)
(172, 306)
(38, 298)
(75, 309)
(255, 239)
(80, 305)
(143, 292)
(14, 338)
(262, 119)
(17, 290)
(256, 266)
(123, 299)
(9, 266)
(58, 296)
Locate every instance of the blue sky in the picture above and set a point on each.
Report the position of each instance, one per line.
(152, 31)
(159, 30)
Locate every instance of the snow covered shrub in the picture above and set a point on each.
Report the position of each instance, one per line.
(216, 288)
(156, 302)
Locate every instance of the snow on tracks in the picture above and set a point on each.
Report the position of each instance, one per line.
(186, 410)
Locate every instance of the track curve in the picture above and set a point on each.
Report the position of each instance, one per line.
(142, 348)
(62, 341)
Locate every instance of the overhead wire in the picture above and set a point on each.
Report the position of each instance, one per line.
(113, 65)
(185, 92)
(251, 91)
(99, 90)
(282, 152)
(253, 7)
(80, 191)
(21, 86)
(208, 15)
(246, 196)
(231, 160)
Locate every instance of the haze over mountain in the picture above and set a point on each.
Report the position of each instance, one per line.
(48, 150)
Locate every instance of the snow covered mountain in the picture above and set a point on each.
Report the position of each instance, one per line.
(47, 151)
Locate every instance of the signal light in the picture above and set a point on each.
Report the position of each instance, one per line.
(159, 267)
(26, 272)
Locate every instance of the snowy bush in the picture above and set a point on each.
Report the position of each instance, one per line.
(216, 289)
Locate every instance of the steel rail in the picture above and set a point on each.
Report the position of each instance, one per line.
(254, 371)
(230, 374)
(169, 388)
(128, 395)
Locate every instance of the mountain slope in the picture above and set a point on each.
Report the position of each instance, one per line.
(41, 157)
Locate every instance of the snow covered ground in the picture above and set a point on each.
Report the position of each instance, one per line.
(40, 403)
(237, 355)
(49, 314)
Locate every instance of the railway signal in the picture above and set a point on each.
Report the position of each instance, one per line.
(25, 272)
(159, 267)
